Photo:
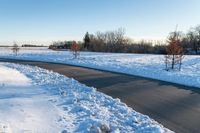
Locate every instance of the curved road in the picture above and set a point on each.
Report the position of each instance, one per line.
(176, 107)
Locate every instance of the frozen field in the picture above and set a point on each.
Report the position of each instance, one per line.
(36, 100)
(151, 66)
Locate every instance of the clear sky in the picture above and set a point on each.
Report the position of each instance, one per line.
(42, 21)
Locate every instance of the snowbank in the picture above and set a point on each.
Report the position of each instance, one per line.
(151, 66)
(55, 103)
(10, 76)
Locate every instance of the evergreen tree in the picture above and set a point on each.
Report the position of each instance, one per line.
(86, 41)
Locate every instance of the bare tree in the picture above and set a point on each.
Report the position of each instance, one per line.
(192, 40)
(15, 48)
(110, 41)
(174, 56)
(197, 33)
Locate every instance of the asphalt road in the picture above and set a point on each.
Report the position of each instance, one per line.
(176, 107)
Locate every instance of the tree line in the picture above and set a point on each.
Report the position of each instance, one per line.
(116, 41)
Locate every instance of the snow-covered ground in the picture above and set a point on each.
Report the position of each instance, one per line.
(36, 100)
(145, 65)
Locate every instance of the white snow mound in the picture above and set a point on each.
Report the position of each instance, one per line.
(55, 103)
(12, 77)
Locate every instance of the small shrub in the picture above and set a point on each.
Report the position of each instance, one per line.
(75, 49)
(174, 56)
(15, 49)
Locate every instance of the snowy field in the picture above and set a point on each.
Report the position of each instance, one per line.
(40, 101)
(151, 66)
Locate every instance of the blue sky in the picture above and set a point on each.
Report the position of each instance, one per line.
(42, 21)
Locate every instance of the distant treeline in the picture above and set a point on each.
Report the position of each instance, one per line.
(31, 45)
(60, 45)
(5, 46)
(116, 41)
(24, 45)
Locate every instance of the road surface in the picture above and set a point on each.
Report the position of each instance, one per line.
(176, 107)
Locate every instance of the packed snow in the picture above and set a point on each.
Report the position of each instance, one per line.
(48, 102)
(12, 77)
(145, 65)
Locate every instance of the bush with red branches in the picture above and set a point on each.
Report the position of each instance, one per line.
(75, 49)
(174, 56)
